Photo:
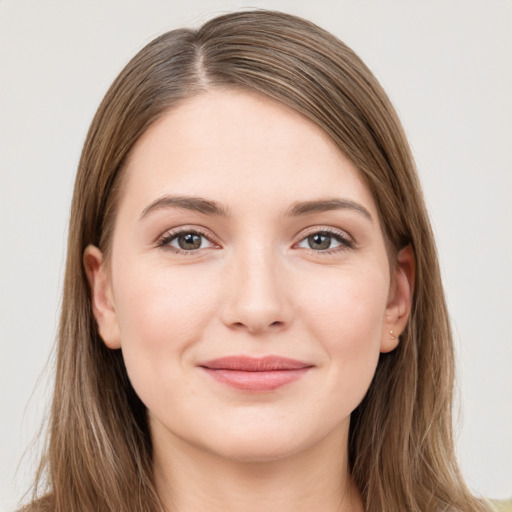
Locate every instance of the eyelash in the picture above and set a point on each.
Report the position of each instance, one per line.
(342, 238)
(169, 236)
(346, 242)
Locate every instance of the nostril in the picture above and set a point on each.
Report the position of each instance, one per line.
(257, 326)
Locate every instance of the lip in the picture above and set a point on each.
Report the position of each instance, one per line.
(255, 374)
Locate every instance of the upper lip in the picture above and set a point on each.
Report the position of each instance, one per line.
(254, 364)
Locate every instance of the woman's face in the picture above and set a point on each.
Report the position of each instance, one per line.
(249, 286)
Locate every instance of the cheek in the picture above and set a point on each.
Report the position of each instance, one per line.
(350, 306)
(346, 318)
(156, 298)
(161, 312)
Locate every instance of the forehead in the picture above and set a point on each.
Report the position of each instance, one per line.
(236, 146)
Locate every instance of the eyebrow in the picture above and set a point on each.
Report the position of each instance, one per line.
(197, 204)
(324, 205)
(209, 207)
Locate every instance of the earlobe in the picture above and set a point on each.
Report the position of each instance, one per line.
(101, 297)
(400, 299)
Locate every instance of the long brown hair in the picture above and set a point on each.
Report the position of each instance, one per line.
(401, 446)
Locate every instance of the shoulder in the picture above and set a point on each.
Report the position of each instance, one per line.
(501, 505)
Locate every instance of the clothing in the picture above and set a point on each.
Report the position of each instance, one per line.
(502, 505)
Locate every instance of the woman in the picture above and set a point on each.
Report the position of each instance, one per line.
(253, 314)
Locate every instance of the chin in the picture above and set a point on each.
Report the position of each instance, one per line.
(257, 449)
(260, 442)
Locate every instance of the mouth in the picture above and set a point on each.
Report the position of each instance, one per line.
(255, 374)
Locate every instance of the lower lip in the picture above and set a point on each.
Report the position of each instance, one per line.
(256, 381)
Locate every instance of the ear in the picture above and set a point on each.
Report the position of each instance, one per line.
(400, 297)
(102, 297)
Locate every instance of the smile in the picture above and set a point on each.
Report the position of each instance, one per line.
(255, 374)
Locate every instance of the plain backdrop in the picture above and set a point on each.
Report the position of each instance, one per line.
(447, 66)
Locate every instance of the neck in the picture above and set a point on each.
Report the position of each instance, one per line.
(190, 479)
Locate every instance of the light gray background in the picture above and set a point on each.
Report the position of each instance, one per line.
(447, 66)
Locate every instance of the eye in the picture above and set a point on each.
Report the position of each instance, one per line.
(185, 241)
(325, 241)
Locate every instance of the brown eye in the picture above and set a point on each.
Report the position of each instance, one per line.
(189, 241)
(325, 241)
(319, 241)
(186, 241)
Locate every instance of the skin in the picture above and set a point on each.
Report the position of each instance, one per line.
(254, 287)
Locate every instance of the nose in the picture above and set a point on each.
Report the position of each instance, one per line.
(257, 295)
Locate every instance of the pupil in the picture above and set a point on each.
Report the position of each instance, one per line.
(189, 241)
(319, 241)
